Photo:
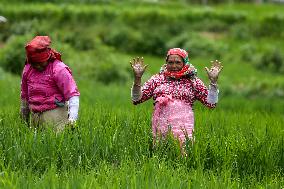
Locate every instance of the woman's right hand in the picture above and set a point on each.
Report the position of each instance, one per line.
(138, 67)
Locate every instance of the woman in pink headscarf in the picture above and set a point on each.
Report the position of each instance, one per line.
(174, 91)
(48, 91)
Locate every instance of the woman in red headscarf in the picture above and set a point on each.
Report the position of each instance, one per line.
(48, 89)
(174, 91)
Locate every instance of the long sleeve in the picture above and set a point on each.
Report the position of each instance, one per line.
(24, 106)
(146, 92)
(73, 108)
(136, 93)
(24, 85)
(65, 82)
(24, 110)
(205, 96)
(213, 94)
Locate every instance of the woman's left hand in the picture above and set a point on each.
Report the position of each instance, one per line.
(214, 71)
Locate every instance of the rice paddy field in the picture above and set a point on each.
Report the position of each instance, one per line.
(239, 144)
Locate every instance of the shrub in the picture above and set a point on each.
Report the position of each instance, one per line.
(123, 38)
(248, 53)
(111, 73)
(102, 64)
(129, 40)
(13, 55)
(23, 27)
(4, 32)
(272, 60)
(79, 40)
(241, 32)
(111, 68)
(198, 45)
(272, 25)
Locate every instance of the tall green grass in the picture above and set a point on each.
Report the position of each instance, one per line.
(112, 147)
(237, 145)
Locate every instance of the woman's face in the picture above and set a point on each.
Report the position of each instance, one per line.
(174, 63)
(39, 66)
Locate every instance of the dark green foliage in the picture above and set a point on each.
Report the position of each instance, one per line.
(272, 25)
(79, 40)
(237, 145)
(241, 31)
(198, 45)
(111, 72)
(251, 146)
(129, 40)
(13, 56)
(268, 59)
(272, 60)
(4, 34)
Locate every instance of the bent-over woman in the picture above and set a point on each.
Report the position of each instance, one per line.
(49, 93)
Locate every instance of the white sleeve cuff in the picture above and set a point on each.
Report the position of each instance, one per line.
(136, 93)
(213, 92)
(73, 108)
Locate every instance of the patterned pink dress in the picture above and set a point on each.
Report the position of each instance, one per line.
(173, 100)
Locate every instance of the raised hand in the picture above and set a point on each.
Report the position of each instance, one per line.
(138, 66)
(214, 71)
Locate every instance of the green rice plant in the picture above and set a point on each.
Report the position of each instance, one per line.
(239, 144)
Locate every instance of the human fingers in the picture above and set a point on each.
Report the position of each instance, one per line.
(220, 69)
(133, 61)
(131, 64)
(215, 63)
(142, 60)
(139, 61)
(144, 68)
(219, 66)
(207, 70)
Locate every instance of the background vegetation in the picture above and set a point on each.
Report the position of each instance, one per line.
(237, 145)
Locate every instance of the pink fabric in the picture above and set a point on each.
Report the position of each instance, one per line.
(177, 51)
(174, 99)
(172, 115)
(42, 89)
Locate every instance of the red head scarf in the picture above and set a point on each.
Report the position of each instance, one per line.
(38, 50)
(178, 51)
(188, 69)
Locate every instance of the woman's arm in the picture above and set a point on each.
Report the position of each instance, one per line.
(141, 94)
(207, 97)
(213, 92)
(73, 108)
(24, 106)
(213, 74)
(67, 85)
(138, 94)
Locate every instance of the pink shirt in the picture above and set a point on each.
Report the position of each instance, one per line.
(42, 89)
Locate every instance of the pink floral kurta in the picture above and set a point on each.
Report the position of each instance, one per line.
(173, 99)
